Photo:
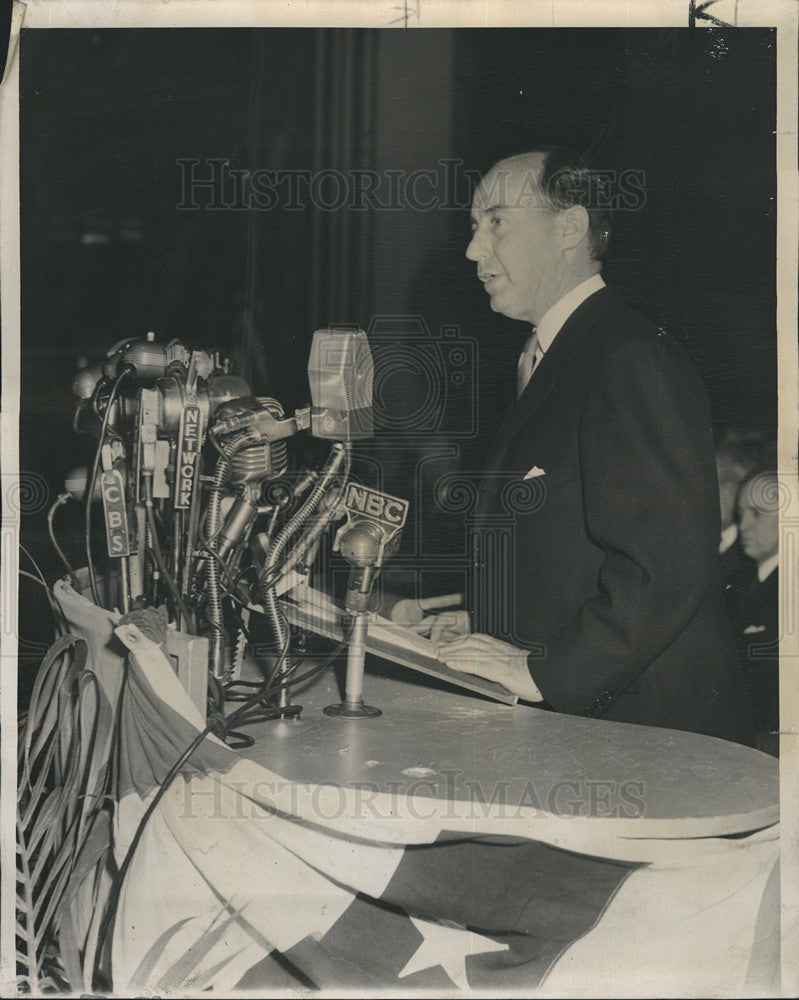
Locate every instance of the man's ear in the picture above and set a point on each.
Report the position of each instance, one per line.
(572, 226)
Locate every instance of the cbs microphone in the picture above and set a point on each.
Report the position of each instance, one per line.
(341, 376)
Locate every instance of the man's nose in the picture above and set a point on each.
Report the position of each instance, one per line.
(477, 248)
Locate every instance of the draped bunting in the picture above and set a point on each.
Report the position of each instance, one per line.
(244, 880)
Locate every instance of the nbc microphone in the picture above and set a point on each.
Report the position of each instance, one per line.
(341, 375)
(371, 534)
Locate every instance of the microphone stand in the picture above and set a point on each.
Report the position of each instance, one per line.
(361, 546)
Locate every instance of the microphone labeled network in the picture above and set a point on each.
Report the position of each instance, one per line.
(207, 516)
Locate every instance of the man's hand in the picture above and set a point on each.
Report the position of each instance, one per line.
(444, 627)
(410, 612)
(493, 659)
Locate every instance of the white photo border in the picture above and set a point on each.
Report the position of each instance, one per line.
(166, 14)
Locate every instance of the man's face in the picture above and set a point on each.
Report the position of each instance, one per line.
(758, 518)
(513, 242)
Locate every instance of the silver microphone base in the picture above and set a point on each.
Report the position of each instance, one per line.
(352, 711)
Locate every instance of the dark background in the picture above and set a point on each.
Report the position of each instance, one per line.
(106, 253)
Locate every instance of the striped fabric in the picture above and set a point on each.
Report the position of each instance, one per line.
(245, 881)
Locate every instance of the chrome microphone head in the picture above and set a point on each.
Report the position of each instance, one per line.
(341, 376)
(259, 461)
(85, 381)
(263, 459)
(76, 481)
(147, 357)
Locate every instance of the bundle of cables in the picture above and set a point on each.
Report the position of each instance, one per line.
(255, 709)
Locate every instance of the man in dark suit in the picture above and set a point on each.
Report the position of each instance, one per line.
(601, 488)
(758, 622)
(735, 460)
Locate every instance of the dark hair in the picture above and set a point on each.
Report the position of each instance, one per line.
(747, 452)
(566, 180)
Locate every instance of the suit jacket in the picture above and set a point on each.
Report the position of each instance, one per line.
(738, 572)
(606, 566)
(758, 643)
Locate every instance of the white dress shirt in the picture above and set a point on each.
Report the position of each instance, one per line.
(550, 326)
(765, 569)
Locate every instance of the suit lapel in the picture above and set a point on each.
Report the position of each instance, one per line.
(552, 367)
(536, 391)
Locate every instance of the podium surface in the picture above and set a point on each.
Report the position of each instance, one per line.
(436, 742)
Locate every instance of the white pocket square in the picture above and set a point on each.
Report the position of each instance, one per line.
(535, 471)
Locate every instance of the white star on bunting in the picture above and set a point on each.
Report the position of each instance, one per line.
(447, 947)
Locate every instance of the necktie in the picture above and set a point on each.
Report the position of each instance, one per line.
(529, 360)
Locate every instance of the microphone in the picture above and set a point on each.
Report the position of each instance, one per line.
(371, 534)
(75, 484)
(146, 357)
(261, 418)
(85, 381)
(341, 375)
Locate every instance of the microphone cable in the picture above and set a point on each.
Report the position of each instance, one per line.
(62, 625)
(156, 546)
(62, 499)
(238, 717)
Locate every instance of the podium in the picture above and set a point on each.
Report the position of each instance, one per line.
(454, 840)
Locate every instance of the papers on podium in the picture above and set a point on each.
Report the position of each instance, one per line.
(313, 610)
